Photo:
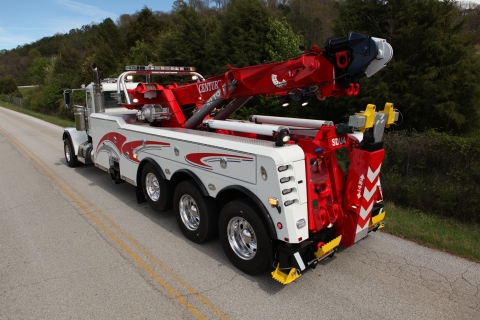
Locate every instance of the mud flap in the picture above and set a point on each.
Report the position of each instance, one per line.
(140, 196)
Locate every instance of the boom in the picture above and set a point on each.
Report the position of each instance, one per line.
(331, 72)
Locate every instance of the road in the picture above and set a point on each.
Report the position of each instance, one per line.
(75, 245)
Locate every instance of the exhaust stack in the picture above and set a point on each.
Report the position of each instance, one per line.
(98, 97)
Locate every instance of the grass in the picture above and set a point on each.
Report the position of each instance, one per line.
(52, 119)
(434, 231)
(426, 229)
(26, 91)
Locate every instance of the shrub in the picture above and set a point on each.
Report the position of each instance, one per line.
(434, 172)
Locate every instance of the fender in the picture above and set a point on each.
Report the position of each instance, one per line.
(263, 211)
(194, 177)
(142, 164)
(76, 137)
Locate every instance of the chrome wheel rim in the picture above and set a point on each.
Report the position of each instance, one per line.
(152, 186)
(67, 152)
(189, 212)
(242, 238)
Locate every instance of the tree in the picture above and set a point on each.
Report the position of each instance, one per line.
(145, 28)
(38, 71)
(34, 53)
(107, 48)
(241, 36)
(282, 42)
(9, 86)
(185, 43)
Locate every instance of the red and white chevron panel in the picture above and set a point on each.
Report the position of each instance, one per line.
(367, 200)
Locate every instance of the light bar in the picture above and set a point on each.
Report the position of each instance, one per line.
(159, 68)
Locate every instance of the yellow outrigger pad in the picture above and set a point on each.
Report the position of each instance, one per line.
(377, 219)
(328, 247)
(284, 278)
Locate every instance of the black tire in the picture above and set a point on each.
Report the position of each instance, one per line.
(69, 153)
(155, 188)
(244, 237)
(196, 215)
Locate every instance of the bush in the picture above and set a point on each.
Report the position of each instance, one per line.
(434, 172)
(8, 86)
(47, 99)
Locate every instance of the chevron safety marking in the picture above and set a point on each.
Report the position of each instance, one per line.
(367, 195)
(367, 202)
(373, 175)
(364, 213)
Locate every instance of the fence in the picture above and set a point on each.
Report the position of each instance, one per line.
(16, 100)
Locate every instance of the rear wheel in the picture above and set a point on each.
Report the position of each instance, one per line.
(69, 153)
(244, 237)
(196, 215)
(155, 188)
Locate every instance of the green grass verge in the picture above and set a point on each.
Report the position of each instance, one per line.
(52, 119)
(26, 92)
(433, 231)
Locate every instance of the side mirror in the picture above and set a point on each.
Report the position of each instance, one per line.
(66, 99)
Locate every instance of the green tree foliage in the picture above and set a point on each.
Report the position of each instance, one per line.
(34, 53)
(309, 18)
(281, 42)
(67, 67)
(106, 48)
(146, 28)
(186, 42)
(241, 36)
(433, 78)
(8, 86)
(48, 98)
(143, 54)
(38, 71)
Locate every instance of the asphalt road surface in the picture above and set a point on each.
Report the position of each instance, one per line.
(75, 245)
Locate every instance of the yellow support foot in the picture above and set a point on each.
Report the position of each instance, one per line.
(284, 278)
(328, 247)
(376, 220)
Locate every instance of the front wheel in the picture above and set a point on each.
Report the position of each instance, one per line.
(155, 188)
(69, 153)
(244, 237)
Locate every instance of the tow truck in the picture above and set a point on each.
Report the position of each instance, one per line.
(281, 193)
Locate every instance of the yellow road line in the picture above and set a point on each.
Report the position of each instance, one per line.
(145, 251)
(110, 233)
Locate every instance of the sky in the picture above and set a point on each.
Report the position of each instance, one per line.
(26, 21)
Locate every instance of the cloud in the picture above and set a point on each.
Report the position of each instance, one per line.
(9, 41)
(85, 9)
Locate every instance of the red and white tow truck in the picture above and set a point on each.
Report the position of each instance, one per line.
(281, 193)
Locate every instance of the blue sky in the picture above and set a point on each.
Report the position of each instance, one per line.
(26, 21)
